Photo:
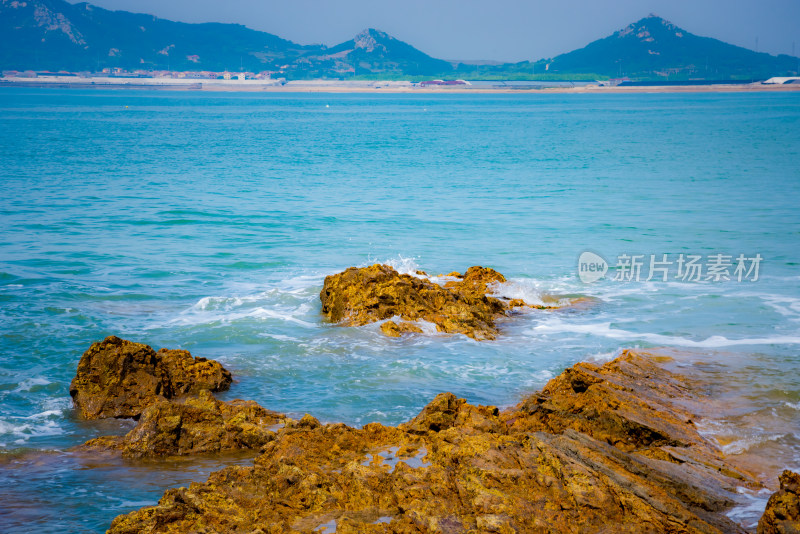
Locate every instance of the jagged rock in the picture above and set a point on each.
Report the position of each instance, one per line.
(393, 329)
(359, 296)
(629, 403)
(119, 378)
(543, 466)
(782, 515)
(194, 425)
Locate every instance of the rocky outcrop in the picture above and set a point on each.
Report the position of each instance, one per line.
(782, 515)
(194, 425)
(359, 296)
(600, 449)
(393, 329)
(119, 378)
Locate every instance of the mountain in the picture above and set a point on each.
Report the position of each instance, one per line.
(655, 48)
(56, 35)
(373, 51)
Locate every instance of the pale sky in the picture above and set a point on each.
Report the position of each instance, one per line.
(504, 30)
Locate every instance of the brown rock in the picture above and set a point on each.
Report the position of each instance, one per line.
(782, 515)
(475, 281)
(596, 465)
(359, 296)
(194, 425)
(393, 329)
(119, 378)
(629, 403)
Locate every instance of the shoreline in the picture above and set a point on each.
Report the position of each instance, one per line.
(609, 442)
(322, 86)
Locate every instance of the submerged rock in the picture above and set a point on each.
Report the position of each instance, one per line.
(194, 425)
(782, 515)
(119, 378)
(600, 449)
(359, 296)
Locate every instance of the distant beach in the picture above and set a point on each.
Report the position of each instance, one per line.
(340, 86)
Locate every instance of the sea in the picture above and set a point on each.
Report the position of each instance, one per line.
(209, 221)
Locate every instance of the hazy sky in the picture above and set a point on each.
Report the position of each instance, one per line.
(506, 30)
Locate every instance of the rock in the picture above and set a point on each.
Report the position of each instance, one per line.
(475, 281)
(393, 329)
(463, 305)
(629, 403)
(193, 425)
(119, 378)
(360, 296)
(577, 457)
(782, 515)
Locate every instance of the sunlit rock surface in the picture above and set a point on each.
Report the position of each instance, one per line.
(463, 305)
(119, 378)
(782, 515)
(599, 449)
(194, 425)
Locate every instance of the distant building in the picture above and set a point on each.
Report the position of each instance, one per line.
(780, 80)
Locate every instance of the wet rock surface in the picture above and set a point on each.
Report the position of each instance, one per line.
(120, 378)
(358, 296)
(198, 424)
(782, 515)
(600, 449)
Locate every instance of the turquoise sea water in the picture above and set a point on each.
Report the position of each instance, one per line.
(209, 221)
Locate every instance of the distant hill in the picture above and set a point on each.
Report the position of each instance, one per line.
(54, 34)
(654, 48)
(57, 35)
(373, 51)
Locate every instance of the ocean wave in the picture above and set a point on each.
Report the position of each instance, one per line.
(292, 301)
(746, 443)
(751, 507)
(289, 315)
(21, 430)
(525, 289)
(403, 265)
(30, 383)
(557, 326)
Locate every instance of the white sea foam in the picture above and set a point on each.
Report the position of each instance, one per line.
(558, 326)
(794, 405)
(746, 439)
(751, 508)
(20, 430)
(746, 443)
(602, 357)
(29, 383)
(543, 374)
(404, 265)
(427, 327)
(525, 289)
(279, 337)
(289, 305)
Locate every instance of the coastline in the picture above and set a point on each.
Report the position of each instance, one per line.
(609, 443)
(324, 86)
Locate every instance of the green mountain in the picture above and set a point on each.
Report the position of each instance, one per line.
(654, 48)
(373, 51)
(57, 35)
(54, 34)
